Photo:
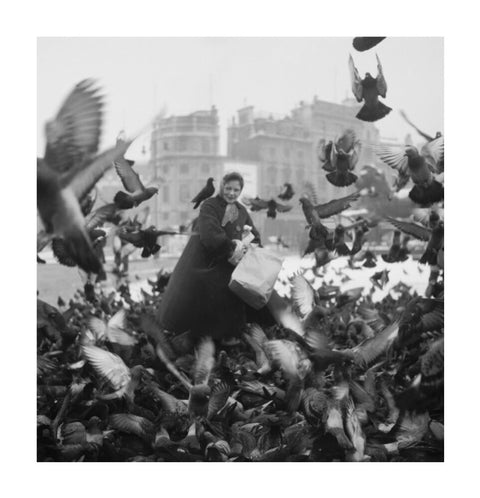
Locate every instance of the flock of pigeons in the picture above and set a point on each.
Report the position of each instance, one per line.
(339, 378)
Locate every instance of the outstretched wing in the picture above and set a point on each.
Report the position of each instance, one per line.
(417, 231)
(336, 206)
(108, 365)
(204, 361)
(255, 204)
(98, 217)
(282, 208)
(395, 159)
(433, 152)
(369, 350)
(74, 135)
(135, 238)
(356, 81)
(311, 192)
(303, 295)
(381, 82)
(130, 179)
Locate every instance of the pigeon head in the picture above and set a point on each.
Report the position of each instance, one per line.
(152, 190)
(411, 151)
(210, 180)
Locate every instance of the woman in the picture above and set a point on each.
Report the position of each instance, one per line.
(197, 297)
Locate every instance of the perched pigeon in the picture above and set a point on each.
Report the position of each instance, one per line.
(204, 194)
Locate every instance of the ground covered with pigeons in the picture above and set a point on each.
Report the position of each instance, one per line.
(357, 381)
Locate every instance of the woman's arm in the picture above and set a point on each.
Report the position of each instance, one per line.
(255, 232)
(212, 235)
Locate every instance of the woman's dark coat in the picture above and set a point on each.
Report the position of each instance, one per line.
(197, 297)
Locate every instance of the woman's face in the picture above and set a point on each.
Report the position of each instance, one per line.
(231, 190)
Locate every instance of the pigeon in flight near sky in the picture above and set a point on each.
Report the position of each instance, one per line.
(339, 158)
(70, 169)
(369, 89)
(138, 193)
(362, 43)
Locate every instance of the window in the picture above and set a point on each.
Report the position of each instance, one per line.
(286, 152)
(300, 154)
(205, 169)
(205, 145)
(165, 145)
(184, 169)
(165, 215)
(182, 144)
(272, 152)
(166, 169)
(166, 193)
(183, 193)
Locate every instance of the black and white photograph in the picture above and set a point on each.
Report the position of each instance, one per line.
(240, 253)
(239, 286)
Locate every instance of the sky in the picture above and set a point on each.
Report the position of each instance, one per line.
(142, 76)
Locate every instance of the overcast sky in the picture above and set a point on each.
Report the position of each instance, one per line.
(141, 75)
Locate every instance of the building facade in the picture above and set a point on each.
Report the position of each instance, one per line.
(184, 153)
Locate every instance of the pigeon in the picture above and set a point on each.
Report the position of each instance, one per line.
(70, 169)
(328, 209)
(138, 193)
(339, 158)
(97, 236)
(147, 239)
(272, 206)
(427, 137)
(369, 89)
(204, 194)
(433, 235)
(113, 370)
(421, 167)
(398, 250)
(362, 43)
(114, 330)
(287, 193)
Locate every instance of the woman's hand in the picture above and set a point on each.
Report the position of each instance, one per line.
(238, 252)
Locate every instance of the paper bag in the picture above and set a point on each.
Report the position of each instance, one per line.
(254, 277)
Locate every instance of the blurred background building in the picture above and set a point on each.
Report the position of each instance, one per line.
(267, 149)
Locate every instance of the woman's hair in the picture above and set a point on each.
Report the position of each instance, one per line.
(234, 176)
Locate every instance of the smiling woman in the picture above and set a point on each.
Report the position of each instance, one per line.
(197, 297)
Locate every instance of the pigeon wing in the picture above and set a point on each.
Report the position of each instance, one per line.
(433, 152)
(417, 231)
(108, 365)
(98, 327)
(356, 81)
(396, 160)
(116, 330)
(84, 178)
(381, 82)
(74, 135)
(370, 349)
(204, 361)
(129, 177)
(218, 398)
(336, 206)
(60, 251)
(98, 217)
(283, 208)
(135, 238)
(132, 424)
(303, 295)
